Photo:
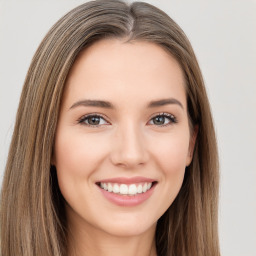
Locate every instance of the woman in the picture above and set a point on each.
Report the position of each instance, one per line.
(114, 150)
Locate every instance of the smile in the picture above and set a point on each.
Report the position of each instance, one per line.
(127, 191)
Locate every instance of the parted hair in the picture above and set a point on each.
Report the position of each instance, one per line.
(33, 218)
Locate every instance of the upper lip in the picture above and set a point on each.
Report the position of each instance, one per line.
(127, 180)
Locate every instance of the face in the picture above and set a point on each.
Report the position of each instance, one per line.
(123, 139)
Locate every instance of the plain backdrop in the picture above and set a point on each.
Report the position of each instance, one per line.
(223, 34)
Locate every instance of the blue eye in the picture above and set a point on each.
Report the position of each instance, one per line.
(163, 119)
(93, 120)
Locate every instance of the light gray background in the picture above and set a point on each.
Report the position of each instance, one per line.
(223, 34)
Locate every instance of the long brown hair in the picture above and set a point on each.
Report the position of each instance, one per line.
(32, 213)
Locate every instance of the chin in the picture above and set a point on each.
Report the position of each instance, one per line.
(129, 226)
(130, 230)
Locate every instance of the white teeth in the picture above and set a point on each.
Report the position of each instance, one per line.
(132, 189)
(139, 189)
(145, 187)
(110, 188)
(125, 189)
(116, 189)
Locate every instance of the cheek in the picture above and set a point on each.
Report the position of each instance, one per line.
(77, 154)
(171, 153)
(173, 166)
(76, 158)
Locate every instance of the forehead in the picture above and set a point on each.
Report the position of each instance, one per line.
(133, 71)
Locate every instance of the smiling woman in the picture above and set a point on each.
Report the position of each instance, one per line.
(126, 159)
(114, 143)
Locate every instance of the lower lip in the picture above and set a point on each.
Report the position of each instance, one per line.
(125, 200)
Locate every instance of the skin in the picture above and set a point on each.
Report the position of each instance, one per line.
(126, 143)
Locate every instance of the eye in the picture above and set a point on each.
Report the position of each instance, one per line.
(93, 120)
(163, 119)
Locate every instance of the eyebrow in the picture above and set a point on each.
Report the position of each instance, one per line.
(163, 102)
(93, 103)
(109, 105)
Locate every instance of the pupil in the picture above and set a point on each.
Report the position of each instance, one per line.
(159, 120)
(94, 120)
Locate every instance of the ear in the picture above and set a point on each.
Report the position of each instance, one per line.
(192, 143)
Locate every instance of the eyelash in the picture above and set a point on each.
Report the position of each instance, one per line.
(171, 118)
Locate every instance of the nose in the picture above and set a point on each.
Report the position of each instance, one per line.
(129, 147)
